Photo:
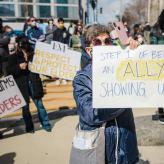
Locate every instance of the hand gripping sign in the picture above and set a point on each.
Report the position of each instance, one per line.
(11, 98)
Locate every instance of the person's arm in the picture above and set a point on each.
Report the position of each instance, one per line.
(83, 97)
(4, 41)
(15, 68)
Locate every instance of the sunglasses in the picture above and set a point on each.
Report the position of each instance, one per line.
(98, 42)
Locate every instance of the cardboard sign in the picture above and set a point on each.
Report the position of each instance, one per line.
(11, 98)
(55, 63)
(128, 78)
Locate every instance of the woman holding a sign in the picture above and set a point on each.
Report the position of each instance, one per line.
(29, 83)
(120, 135)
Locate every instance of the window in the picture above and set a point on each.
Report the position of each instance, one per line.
(43, 1)
(62, 11)
(44, 11)
(62, 1)
(26, 10)
(25, 0)
(67, 12)
(7, 10)
(73, 12)
(6, 0)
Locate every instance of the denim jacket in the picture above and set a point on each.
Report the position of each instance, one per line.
(91, 118)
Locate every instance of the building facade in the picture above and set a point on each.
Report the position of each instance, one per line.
(20, 9)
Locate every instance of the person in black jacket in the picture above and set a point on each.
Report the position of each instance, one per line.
(120, 135)
(4, 51)
(61, 34)
(29, 83)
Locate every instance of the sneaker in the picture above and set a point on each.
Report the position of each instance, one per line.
(1, 136)
(47, 129)
(30, 131)
(161, 119)
(155, 117)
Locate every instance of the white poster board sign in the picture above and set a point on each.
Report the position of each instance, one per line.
(55, 63)
(128, 78)
(11, 98)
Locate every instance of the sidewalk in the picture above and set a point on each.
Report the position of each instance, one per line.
(54, 147)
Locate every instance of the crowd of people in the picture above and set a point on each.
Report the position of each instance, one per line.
(17, 50)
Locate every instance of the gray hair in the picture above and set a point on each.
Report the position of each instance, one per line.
(95, 30)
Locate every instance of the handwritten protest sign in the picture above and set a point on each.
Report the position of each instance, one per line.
(52, 62)
(10, 97)
(128, 78)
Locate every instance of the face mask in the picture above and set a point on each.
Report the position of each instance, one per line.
(33, 24)
(61, 26)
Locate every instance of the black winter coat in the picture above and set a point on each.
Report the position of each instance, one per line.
(61, 35)
(22, 77)
(4, 51)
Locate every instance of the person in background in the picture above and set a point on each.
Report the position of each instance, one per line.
(26, 24)
(10, 32)
(77, 40)
(29, 83)
(146, 32)
(61, 34)
(41, 25)
(138, 33)
(49, 31)
(119, 121)
(71, 28)
(126, 27)
(157, 37)
(4, 51)
(33, 33)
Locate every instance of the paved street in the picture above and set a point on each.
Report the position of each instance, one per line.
(43, 147)
(47, 148)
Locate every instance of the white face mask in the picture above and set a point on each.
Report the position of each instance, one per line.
(33, 24)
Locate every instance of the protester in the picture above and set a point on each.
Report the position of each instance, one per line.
(71, 28)
(33, 33)
(77, 41)
(91, 118)
(4, 51)
(146, 33)
(29, 83)
(49, 31)
(61, 34)
(26, 24)
(157, 37)
(12, 34)
(41, 25)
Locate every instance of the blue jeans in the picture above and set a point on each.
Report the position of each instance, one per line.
(43, 116)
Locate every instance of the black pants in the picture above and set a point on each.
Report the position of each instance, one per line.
(160, 110)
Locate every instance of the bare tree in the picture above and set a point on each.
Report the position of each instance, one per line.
(136, 12)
